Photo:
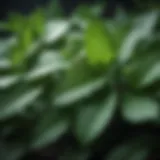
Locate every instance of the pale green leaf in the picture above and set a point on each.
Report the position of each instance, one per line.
(140, 109)
(4, 64)
(8, 81)
(49, 62)
(56, 29)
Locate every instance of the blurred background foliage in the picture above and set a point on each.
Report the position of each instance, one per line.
(82, 87)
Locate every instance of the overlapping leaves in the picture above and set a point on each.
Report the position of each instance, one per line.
(72, 83)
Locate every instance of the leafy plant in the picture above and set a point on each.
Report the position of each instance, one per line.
(92, 81)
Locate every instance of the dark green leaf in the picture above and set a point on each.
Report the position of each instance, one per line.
(18, 101)
(129, 151)
(152, 75)
(48, 130)
(92, 120)
(10, 152)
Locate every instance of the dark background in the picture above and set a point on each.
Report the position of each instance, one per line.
(27, 6)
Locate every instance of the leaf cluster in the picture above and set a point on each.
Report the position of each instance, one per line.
(95, 80)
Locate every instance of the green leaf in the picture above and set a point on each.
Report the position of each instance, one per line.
(152, 75)
(18, 101)
(48, 63)
(135, 71)
(98, 43)
(141, 154)
(56, 29)
(37, 22)
(140, 109)
(8, 81)
(119, 30)
(33, 48)
(16, 23)
(84, 13)
(72, 88)
(77, 93)
(74, 44)
(18, 55)
(70, 78)
(11, 152)
(143, 28)
(5, 45)
(5, 64)
(48, 130)
(92, 120)
(129, 151)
